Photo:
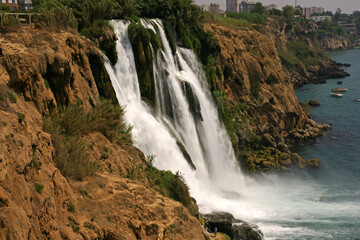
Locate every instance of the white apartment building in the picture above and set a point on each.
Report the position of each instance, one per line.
(321, 18)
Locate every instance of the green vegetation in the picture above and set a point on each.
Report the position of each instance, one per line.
(231, 22)
(11, 23)
(67, 125)
(39, 188)
(71, 207)
(46, 83)
(299, 53)
(4, 8)
(140, 39)
(21, 117)
(169, 185)
(232, 116)
(74, 227)
(12, 96)
(251, 18)
(332, 29)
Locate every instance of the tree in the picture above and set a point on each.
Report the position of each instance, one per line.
(297, 12)
(259, 8)
(275, 12)
(288, 11)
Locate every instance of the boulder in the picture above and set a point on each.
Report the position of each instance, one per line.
(234, 228)
(313, 163)
(314, 103)
(298, 161)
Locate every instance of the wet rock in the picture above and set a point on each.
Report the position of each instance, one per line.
(298, 161)
(194, 103)
(313, 163)
(314, 103)
(236, 229)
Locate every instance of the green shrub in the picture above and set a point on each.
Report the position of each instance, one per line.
(21, 117)
(67, 125)
(231, 22)
(104, 156)
(71, 207)
(12, 96)
(169, 185)
(4, 8)
(46, 83)
(39, 188)
(56, 17)
(253, 18)
(11, 22)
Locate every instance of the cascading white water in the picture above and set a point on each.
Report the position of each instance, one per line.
(157, 133)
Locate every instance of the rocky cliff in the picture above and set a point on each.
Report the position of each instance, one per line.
(334, 43)
(42, 72)
(266, 114)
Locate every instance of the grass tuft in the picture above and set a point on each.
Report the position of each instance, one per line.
(67, 126)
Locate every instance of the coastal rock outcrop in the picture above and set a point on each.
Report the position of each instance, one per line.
(234, 228)
(334, 43)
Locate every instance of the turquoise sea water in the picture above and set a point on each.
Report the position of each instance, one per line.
(338, 180)
(323, 203)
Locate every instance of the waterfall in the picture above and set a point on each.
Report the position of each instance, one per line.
(184, 136)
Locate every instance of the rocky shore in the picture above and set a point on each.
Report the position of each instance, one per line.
(318, 74)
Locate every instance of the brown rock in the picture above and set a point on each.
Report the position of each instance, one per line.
(313, 163)
(298, 161)
(314, 103)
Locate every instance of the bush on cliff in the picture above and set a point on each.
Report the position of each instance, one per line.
(55, 16)
(169, 185)
(67, 125)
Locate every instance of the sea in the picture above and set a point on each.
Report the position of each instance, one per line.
(325, 203)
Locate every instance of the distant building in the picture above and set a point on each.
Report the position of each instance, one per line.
(271, 6)
(246, 6)
(214, 8)
(12, 3)
(25, 5)
(232, 5)
(321, 18)
(306, 12)
(205, 8)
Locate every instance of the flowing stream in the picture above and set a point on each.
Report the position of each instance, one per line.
(184, 134)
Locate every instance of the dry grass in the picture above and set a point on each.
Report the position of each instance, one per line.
(68, 125)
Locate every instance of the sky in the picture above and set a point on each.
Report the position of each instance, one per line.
(346, 6)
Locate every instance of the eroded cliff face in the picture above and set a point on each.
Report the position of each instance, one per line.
(38, 72)
(334, 43)
(271, 115)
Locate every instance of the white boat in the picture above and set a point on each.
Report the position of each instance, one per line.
(336, 94)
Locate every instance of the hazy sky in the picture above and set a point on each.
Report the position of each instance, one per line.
(346, 6)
